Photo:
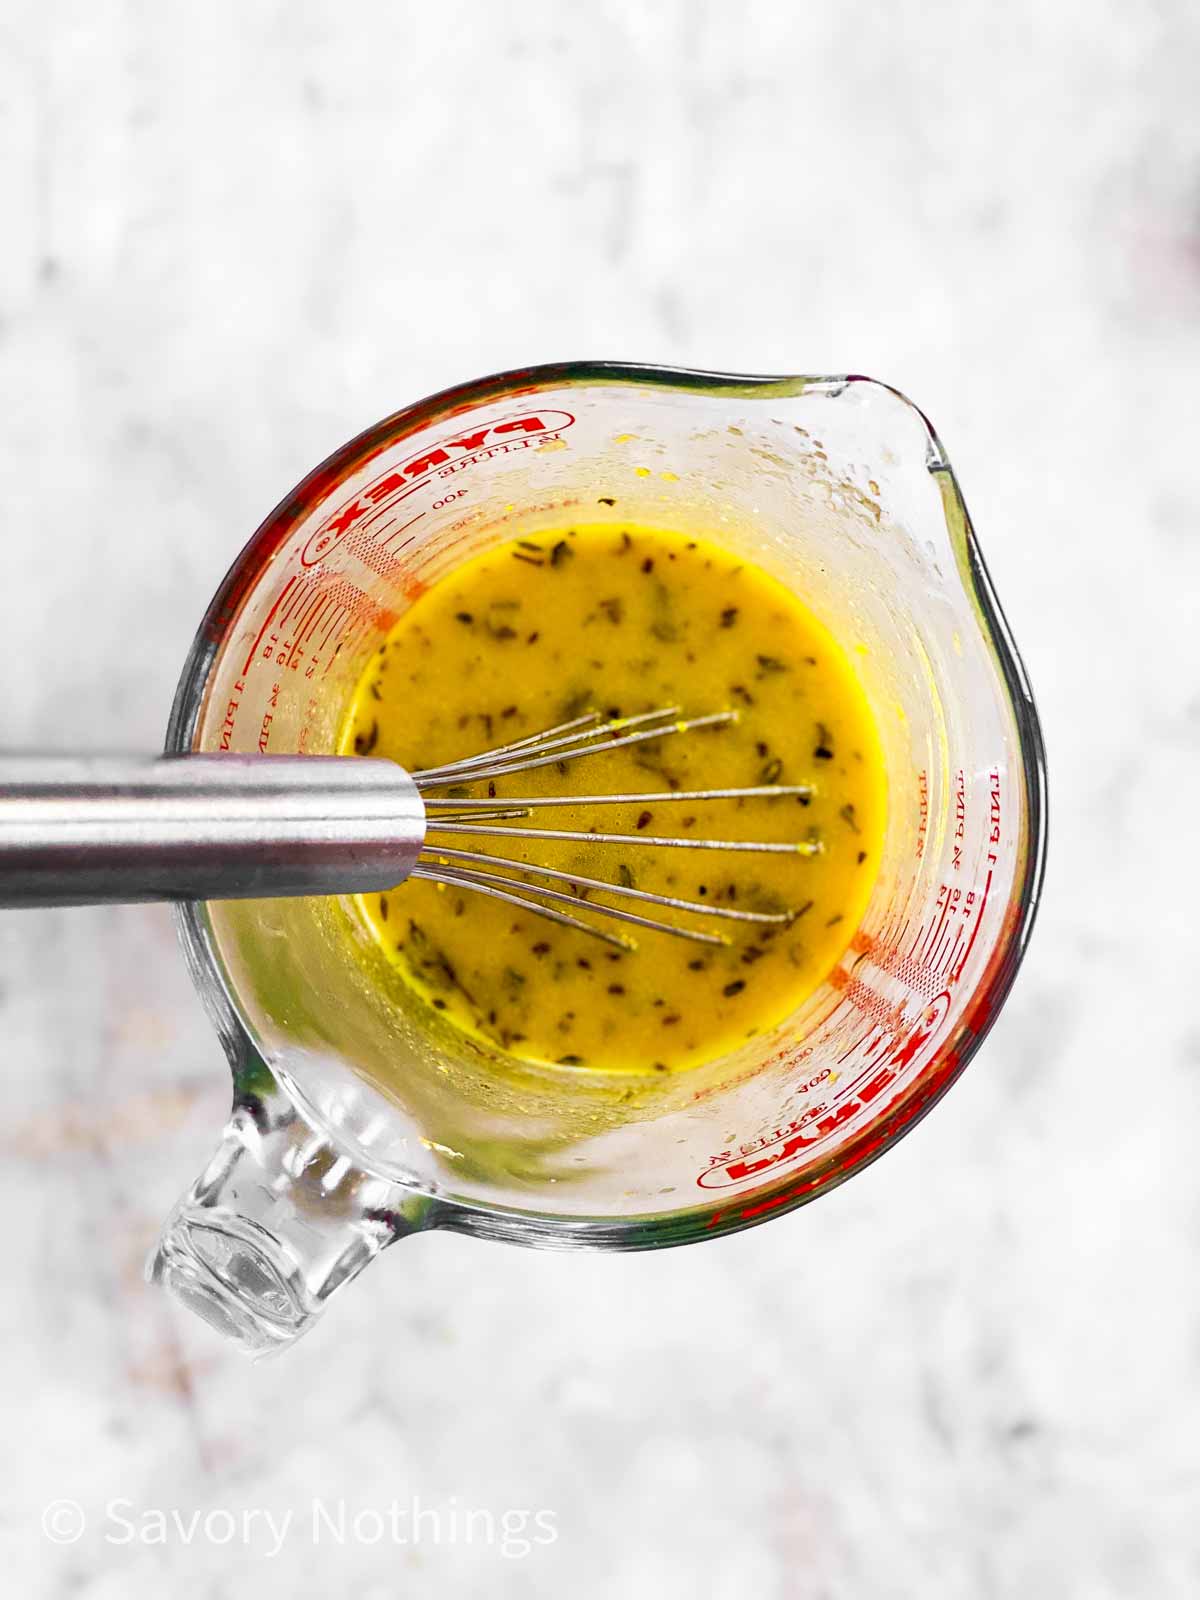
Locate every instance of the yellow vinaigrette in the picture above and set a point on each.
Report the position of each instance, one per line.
(537, 631)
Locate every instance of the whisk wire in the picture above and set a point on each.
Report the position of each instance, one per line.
(435, 875)
(768, 847)
(481, 872)
(479, 880)
(569, 750)
(627, 891)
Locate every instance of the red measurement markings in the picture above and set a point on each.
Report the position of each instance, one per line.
(853, 1049)
(372, 551)
(298, 598)
(488, 439)
(960, 819)
(310, 627)
(316, 601)
(922, 811)
(408, 567)
(879, 1045)
(995, 828)
(279, 599)
(955, 934)
(396, 532)
(867, 1001)
(303, 621)
(386, 508)
(331, 623)
(938, 955)
(957, 972)
(948, 900)
(918, 975)
(231, 711)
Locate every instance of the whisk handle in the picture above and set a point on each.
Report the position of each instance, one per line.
(83, 830)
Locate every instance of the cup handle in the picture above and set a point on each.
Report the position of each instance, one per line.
(275, 1225)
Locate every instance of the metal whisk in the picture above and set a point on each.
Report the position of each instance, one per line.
(92, 829)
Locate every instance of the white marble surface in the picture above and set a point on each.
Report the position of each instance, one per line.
(236, 233)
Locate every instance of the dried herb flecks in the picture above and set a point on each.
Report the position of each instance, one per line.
(577, 702)
(430, 962)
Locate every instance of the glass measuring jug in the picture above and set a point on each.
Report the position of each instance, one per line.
(359, 1116)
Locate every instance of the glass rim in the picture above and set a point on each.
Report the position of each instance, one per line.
(786, 1193)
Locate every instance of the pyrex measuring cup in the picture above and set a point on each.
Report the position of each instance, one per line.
(358, 1115)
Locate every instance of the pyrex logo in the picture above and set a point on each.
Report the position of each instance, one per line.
(473, 444)
(885, 1064)
(773, 1153)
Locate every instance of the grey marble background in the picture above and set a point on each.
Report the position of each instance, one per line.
(234, 234)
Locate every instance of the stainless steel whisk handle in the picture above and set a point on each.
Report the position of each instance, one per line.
(84, 830)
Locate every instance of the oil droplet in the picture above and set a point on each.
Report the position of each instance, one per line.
(624, 438)
(642, 472)
(670, 477)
